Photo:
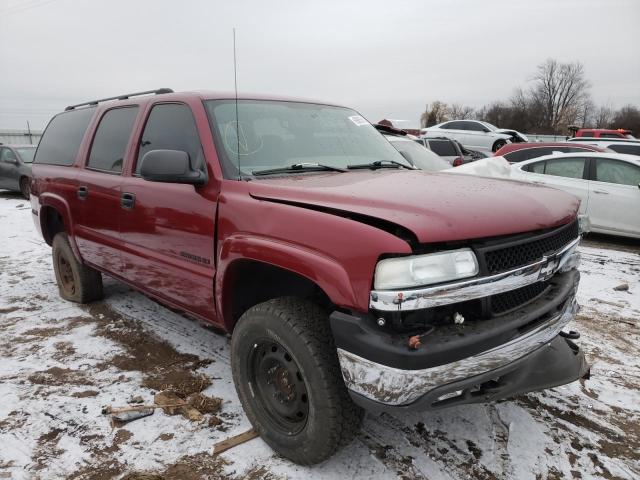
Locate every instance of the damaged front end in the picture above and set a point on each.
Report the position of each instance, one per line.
(476, 340)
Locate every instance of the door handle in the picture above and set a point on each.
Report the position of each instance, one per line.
(602, 192)
(127, 200)
(539, 182)
(83, 192)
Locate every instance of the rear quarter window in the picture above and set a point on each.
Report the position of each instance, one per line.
(62, 138)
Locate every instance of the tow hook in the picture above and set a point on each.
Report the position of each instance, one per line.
(571, 335)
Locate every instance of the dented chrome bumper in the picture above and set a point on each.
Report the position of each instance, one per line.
(395, 387)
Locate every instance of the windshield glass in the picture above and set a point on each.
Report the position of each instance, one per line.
(276, 134)
(419, 156)
(26, 153)
(489, 126)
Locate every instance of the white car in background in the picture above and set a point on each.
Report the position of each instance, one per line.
(617, 145)
(475, 134)
(608, 185)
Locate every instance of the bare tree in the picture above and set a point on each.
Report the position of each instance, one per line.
(561, 89)
(434, 115)
(603, 117)
(460, 112)
(627, 117)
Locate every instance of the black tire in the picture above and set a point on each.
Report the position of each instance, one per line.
(76, 282)
(300, 333)
(498, 145)
(25, 187)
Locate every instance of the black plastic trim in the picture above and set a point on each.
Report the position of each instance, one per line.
(360, 335)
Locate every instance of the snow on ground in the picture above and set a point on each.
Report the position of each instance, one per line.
(60, 363)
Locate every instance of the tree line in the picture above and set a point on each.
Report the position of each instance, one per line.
(556, 98)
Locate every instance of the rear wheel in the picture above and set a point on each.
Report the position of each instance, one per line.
(25, 187)
(498, 145)
(286, 372)
(76, 282)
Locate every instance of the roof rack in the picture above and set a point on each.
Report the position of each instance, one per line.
(159, 91)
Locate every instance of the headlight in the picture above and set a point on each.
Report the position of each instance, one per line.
(425, 269)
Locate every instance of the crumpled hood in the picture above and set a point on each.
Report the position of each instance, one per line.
(436, 207)
(508, 131)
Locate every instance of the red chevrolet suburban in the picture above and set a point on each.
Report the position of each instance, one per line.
(345, 277)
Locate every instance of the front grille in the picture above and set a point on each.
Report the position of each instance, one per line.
(528, 251)
(505, 302)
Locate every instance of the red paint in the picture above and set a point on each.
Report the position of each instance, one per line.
(227, 221)
(512, 147)
(603, 133)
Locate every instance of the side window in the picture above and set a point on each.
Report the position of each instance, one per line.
(610, 135)
(453, 126)
(111, 139)
(566, 167)
(171, 126)
(61, 140)
(615, 171)
(586, 134)
(526, 154)
(473, 126)
(535, 167)
(7, 155)
(630, 149)
(444, 148)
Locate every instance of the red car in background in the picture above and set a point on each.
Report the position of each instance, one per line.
(519, 152)
(604, 133)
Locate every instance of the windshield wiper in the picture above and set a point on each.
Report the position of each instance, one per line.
(298, 167)
(381, 164)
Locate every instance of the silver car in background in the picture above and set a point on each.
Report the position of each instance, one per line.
(475, 134)
(15, 167)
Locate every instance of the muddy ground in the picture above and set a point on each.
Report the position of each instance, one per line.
(60, 364)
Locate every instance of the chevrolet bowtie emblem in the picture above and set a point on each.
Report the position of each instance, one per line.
(548, 268)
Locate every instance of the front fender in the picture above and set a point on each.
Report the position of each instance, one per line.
(322, 270)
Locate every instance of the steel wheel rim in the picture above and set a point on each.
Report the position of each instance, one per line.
(67, 280)
(279, 387)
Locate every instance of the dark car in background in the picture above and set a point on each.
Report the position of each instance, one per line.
(519, 152)
(15, 167)
(451, 150)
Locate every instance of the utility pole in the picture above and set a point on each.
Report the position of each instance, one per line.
(29, 133)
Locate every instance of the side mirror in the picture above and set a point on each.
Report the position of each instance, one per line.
(169, 166)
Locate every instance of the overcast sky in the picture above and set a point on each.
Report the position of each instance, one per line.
(384, 58)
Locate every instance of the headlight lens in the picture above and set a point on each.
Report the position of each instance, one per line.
(425, 269)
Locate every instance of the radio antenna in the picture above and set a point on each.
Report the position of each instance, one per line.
(235, 84)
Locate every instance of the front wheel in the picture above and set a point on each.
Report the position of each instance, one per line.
(287, 375)
(498, 145)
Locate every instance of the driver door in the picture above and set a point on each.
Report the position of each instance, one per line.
(167, 229)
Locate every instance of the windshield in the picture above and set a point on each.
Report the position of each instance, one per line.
(277, 134)
(493, 128)
(419, 156)
(26, 153)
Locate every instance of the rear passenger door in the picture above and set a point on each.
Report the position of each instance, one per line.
(98, 191)
(615, 196)
(168, 228)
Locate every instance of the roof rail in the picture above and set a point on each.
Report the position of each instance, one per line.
(159, 91)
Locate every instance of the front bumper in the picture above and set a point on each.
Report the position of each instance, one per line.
(475, 362)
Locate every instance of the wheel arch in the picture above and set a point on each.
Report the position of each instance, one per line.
(254, 270)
